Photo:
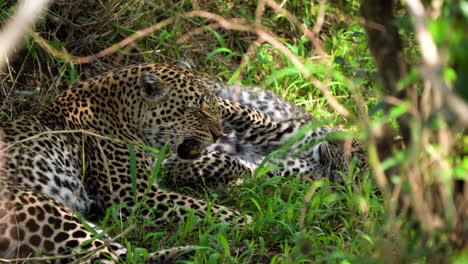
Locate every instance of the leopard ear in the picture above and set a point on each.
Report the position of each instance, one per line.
(152, 87)
(184, 63)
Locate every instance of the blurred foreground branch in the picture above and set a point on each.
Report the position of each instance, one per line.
(436, 203)
(432, 67)
(28, 12)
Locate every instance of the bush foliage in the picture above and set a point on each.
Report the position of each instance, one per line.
(413, 204)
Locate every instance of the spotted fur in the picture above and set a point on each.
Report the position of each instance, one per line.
(74, 155)
(256, 123)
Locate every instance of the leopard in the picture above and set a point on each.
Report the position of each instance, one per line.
(268, 131)
(88, 150)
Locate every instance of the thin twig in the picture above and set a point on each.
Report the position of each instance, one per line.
(87, 59)
(198, 31)
(320, 17)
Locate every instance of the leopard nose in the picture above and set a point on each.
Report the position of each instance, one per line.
(216, 133)
(216, 129)
(215, 136)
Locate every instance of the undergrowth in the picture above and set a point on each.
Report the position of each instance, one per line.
(293, 222)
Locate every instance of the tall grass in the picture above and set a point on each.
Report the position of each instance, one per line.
(292, 222)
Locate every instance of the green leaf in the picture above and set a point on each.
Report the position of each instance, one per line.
(5, 114)
(217, 36)
(216, 51)
(259, 208)
(225, 244)
(157, 167)
(57, 44)
(234, 76)
(214, 258)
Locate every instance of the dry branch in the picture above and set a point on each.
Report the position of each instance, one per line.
(320, 17)
(241, 25)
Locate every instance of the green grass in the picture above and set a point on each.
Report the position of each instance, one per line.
(292, 222)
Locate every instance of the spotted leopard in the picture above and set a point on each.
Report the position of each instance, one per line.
(74, 155)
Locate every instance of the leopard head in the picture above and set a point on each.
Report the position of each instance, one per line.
(179, 109)
(337, 154)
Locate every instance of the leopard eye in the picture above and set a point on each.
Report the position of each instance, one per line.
(204, 105)
(208, 104)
